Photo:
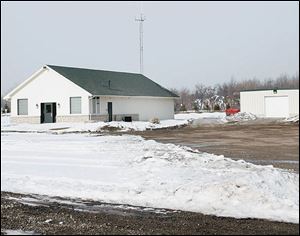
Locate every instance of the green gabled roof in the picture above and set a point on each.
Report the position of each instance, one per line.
(101, 82)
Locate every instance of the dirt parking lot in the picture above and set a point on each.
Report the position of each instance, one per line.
(268, 143)
(93, 218)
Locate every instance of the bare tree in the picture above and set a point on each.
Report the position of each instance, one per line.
(186, 99)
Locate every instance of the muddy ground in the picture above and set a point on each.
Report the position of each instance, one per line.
(40, 215)
(265, 143)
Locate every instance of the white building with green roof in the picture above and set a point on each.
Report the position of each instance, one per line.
(67, 94)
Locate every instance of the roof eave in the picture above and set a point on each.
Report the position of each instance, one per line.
(113, 95)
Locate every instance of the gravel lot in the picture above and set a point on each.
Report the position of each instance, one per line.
(260, 142)
(44, 217)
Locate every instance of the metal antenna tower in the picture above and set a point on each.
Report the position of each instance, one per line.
(141, 19)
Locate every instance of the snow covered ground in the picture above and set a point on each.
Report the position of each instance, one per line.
(194, 116)
(214, 118)
(65, 127)
(182, 119)
(5, 120)
(127, 169)
(203, 119)
(18, 232)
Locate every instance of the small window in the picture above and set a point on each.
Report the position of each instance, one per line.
(75, 105)
(22, 106)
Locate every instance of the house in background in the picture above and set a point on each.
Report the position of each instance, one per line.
(66, 94)
(272, 103)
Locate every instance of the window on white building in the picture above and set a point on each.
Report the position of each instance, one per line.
(75, 105)
(22, 106)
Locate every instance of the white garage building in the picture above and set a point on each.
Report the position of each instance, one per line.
(67, 94)
(273, 103)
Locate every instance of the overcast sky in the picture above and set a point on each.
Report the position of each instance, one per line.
(184, 42)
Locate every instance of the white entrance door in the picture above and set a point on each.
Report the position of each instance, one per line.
(277, 106)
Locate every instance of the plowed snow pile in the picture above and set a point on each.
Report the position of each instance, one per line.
(130, 170)
(241, 116)
(67, 127)
(294, 119)
(204, 115)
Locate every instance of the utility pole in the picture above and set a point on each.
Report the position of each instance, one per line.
(141, 19)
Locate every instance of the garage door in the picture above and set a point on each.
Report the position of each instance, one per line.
(277, 106)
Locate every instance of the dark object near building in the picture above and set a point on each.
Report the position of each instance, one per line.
(127, 118)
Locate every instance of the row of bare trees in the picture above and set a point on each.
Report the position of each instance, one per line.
(227, 94)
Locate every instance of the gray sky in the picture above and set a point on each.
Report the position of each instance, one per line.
(184, 42)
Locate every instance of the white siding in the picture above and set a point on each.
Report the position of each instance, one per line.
(50, 86)
(146, 107)
(254, 101)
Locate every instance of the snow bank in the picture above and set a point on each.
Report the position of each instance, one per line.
(5, 120)
(130, 170)
(88, 126)
(205, 115)
(141, 125)
(17, 232)
(241, 116)
(294, 119)
(203, 119)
